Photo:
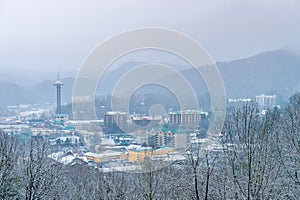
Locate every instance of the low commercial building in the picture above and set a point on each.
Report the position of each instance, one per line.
(105, 156)
(139, 155)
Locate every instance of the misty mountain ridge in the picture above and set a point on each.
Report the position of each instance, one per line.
(29, 78)
(272, 72)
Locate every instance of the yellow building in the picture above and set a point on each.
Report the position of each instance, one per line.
(139, 155)
(105, 156)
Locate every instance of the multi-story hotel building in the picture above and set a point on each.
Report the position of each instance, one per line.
(266, 101)
(188, 117)
(111, 118)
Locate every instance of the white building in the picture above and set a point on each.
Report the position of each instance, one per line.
(266, 101)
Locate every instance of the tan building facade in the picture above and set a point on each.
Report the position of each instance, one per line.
(189, 117)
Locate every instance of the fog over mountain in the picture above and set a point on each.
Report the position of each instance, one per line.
(269, 72)
(272, 72)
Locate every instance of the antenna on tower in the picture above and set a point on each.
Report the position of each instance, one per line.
(57, 75)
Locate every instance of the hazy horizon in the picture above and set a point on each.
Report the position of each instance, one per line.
(42, 36)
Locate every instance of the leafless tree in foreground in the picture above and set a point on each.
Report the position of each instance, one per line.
(201, 165)
(9, 180)
(253, 165)
(289, 147)
(41, 175)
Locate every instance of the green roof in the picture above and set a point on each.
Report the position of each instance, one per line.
(173, 130)
(72, 128)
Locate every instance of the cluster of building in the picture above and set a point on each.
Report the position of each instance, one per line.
(263, 101)
(183, 118)
(84, 141)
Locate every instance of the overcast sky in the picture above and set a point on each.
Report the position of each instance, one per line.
(60, 34)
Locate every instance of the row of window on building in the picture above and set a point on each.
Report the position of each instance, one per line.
(189, 117)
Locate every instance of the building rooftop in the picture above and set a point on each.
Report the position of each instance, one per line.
(173, 130)
(144, 149)
(186, 112)
(115, 113)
